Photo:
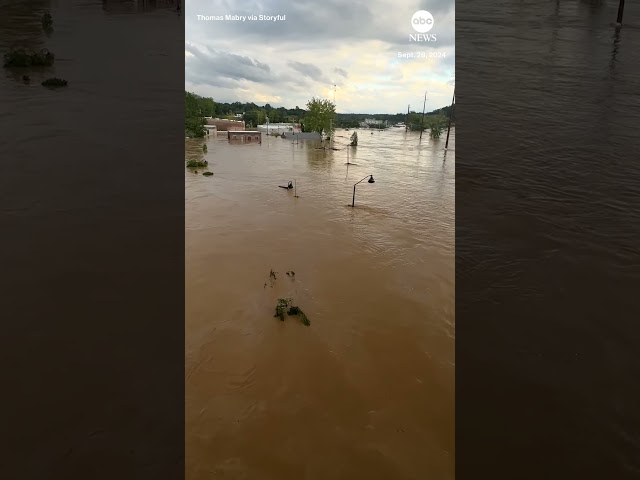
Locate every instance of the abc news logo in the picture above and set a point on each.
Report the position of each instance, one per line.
(422, 22)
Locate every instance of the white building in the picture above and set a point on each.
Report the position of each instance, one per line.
(278, 127)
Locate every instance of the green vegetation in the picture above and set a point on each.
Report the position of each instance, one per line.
(353, 120)
(256, 115)
(207, 174)
(197, 106)
(195, 109)
(55, 82)
(354, 139)
(281, 308)
(320, 117)
(22, 58)
(436, 124)
(435, 130)
(343, 122)
(194, 163)
(194, 127)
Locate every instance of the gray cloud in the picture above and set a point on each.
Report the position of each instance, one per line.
(226, 65)
(308, 70)
(331, 21)
(341, 72)
(316, 46)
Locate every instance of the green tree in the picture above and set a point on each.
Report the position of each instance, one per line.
(415, 121)
(195, 109)
(436, 125)
(194, 127)
(320, 117)
(254, 117)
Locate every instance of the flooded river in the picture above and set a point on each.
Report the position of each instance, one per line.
(367, 390)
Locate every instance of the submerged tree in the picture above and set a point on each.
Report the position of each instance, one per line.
(194, 127)
(354, 139)
(436, 125)
(195, 109)
(320, 117)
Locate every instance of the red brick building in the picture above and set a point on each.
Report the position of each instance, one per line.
(224, 125)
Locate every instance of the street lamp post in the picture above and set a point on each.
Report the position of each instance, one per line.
(371, 180)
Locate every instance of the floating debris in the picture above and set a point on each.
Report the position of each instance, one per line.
(293, 310)
(207, 174)
(25, 78)
(298, 311)
(22, 58)
(281, 307)
(286, 304)
(55, 82)
(193, 163)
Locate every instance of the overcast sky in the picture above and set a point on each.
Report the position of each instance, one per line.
(353, 44)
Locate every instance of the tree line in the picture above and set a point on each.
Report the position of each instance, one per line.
(318, 115)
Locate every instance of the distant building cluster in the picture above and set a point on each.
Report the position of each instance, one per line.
(373, 121)
(279, 127)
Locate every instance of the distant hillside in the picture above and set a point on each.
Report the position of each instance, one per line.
(353, 120)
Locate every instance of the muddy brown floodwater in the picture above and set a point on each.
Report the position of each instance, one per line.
(366, 391)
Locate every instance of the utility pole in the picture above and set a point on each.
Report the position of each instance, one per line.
(422, 120)
(446, 145)
(331, 132)
(620, 11)
(406, 121)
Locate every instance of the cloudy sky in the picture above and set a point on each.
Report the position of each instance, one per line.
(353, 44)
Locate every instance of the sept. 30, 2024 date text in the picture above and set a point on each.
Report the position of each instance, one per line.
(421, 54)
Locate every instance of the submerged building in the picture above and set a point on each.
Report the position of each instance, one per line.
(244, 136)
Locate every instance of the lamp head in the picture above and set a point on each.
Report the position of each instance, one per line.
(371, 180)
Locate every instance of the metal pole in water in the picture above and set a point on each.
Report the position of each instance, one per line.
(422, 120)
(446, 145)
(406, 122)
